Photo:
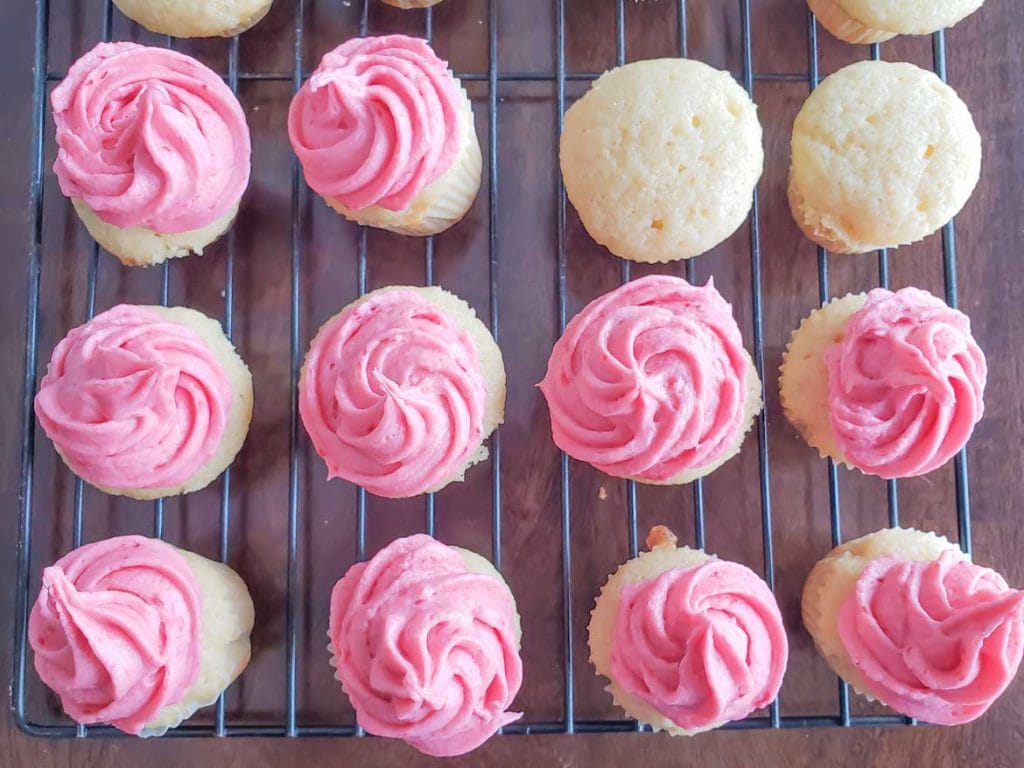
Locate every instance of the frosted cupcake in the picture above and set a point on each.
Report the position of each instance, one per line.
(906, 618)
(887, 383)
(688, 642)
(425, 642)
(883, 155)
(195, 18)
(138, 634)
(153, 150)
(651, 382)
(875, 21)
(146, 401)
(385, 135)
(400, 389)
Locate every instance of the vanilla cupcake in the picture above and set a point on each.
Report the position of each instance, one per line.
(660, 159)
(153, 150)
(688, 642)
(883, 155)
(425, 641)
(875, 21)
(411, 3)
(651, 382)
(146, 401)
(195, 18)
(888, 383)
(385, 134)
(906, 618)
(138, 634)
(400, 389)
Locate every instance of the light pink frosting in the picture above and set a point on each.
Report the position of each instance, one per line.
(938, 641)
(649, 380)
(115, 630)
(149, 137)
(132, 400)
(377, 122)
(701, 645)
(392, 394)
(426, 650)
(905, 384)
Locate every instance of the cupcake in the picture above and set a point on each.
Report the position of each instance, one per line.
(153, 150)
(688, 642)
(385, 134)
(425, 641)
(907, 619)
(887, 383)
(875, 21)
(883, 155)
(411, 3)
(660, 159)
(138, 634)
(400, 389)
(146, 401)
(195, 18)
(651, 382)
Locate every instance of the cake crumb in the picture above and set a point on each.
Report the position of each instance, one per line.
(602, 493)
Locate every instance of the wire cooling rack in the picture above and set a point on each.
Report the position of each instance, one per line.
(290, 724)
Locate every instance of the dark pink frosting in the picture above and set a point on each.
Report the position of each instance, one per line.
(392, 394)
(649, 380)
(939, 640)
(115, 630)
(702, 645)
(377, 122)
(425, 649)
(133, 400)
(905, 384)
(150, 137)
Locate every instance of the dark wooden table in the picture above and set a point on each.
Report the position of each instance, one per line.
(990, 241)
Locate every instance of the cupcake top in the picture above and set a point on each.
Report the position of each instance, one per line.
(909, 16)
(702, 645)
(149, 137)
(377, 122)
(426, 650)
(905, 384)
(115, 630)
(133, 400)
(392, 394)
(649, 380)
(938, 640)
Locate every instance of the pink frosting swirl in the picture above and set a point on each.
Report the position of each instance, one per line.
(132, 400)
(939, 640)
(702, 645)
(392, 394)
(649, 380)
(115, 630)
(150, 137)
(377, 122)
(426, 650)
(905, 384)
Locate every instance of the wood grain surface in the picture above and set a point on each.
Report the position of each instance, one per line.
(984, 66)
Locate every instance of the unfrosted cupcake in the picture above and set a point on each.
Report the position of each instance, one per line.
(660, 158)
(906, 618)
(875, 21)
(651, 382)
(411, 3)
(385, 135)
(425, 641)
(146, 401)
(138, 634)
(153, 150)
(400, 389)
(195, 18)
(883, 155)
(888, 383)
(688, 642)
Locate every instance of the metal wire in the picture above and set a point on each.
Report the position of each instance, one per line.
(494, 78)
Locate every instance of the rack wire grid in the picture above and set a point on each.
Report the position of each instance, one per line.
(493, 77)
